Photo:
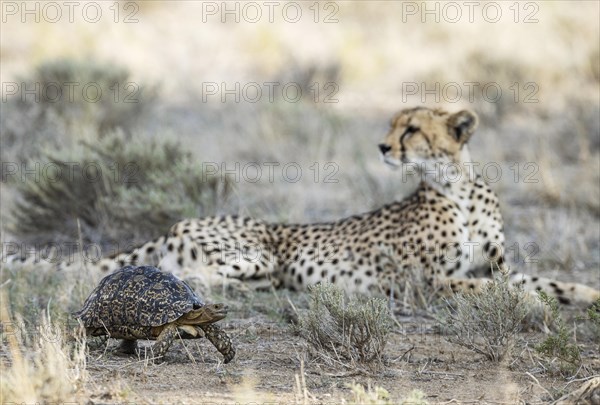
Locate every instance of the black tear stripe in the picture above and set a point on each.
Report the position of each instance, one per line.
(428, 141)
(408, 132)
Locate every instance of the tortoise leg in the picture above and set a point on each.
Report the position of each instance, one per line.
(220, 340)
(164, 340)
(127, 347)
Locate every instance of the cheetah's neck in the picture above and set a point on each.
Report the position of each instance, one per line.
(455, 180)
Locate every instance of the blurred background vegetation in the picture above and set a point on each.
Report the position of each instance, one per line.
(548, 115)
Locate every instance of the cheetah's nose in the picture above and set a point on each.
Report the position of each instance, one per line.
(384, 148)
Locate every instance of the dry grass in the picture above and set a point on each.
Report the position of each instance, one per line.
(410, 293)
(40, 366)
(376, 395)
(34, 291)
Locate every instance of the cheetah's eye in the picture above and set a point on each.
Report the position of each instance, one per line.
(411, 129)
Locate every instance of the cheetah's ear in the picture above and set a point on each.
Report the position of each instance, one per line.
(462, 125)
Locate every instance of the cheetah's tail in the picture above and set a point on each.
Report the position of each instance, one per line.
(56, 259)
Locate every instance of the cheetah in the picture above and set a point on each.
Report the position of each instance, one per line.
(450, 229)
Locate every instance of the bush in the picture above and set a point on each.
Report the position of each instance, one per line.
(557, 346)
(119, 104)
(119, 189)
(351, 332)
(486, 322)
(591, 320)
(63, 108)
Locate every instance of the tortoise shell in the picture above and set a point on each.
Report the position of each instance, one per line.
(140, 296)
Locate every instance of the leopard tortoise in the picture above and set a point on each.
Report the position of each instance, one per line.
(146, 303)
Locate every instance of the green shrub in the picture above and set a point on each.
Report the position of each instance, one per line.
(486, 322)
(351, 332)
(591, 320)
(119, 189)
(557, 345)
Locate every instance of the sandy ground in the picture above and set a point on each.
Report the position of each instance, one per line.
(273, 365)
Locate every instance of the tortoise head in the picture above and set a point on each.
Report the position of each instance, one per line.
(205, 314)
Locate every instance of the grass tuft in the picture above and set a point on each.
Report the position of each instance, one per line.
(350, 332)
(371, 395)
(41, 367)
(380, 396)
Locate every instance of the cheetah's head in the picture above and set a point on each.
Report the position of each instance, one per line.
(424, 137)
